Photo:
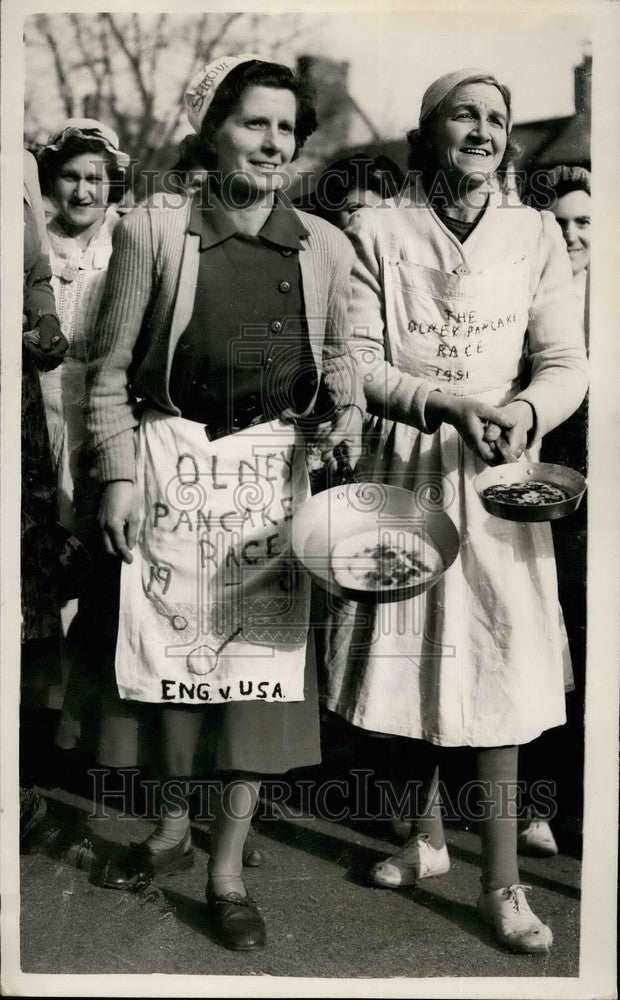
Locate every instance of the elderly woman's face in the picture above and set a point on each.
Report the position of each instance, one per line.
(572, 211)
(257, 140)
(471, 135)
(81, 190)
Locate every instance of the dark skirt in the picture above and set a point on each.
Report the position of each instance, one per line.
(41, 628)
(254, 736)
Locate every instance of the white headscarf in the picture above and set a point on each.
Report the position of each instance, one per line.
(434, 95)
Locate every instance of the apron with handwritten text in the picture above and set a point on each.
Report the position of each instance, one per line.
(213, 608)
(479, 659)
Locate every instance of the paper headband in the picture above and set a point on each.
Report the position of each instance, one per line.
(203, 85)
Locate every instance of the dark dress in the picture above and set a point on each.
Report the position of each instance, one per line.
(41, 629)
(245, 352)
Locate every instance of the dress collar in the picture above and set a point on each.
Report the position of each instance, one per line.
(213, 224)
(94, 257)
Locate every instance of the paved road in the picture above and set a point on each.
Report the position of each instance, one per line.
(323, 919)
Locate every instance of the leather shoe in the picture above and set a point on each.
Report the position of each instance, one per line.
(140, 862)
(236, 922)
(252, 857)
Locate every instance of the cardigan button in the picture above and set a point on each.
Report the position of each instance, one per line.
(276, 326)
(284, 286)
(462, 269)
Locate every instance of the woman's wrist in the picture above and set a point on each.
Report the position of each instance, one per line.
(437, 408)
(529, 414)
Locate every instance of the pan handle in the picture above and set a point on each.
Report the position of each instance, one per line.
(344, 472)
(324, 478)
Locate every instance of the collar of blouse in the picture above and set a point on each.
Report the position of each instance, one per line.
(213, 224)
(94, 257)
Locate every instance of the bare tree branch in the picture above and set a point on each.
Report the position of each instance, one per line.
(177, 107)
(88, 62)
(219, 36)
(132, 59)
(64, 85)
(201, 52)
(158, 44)
(124, 56)
(137, 34)
(286, 41)
(119, 117)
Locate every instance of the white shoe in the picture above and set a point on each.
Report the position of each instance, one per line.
(515, 925)
(415, 861)
(537, 839)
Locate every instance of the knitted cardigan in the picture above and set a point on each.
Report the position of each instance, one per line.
(148, 302)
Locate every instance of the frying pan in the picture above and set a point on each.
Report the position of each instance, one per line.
(354, 508)
(521, 472)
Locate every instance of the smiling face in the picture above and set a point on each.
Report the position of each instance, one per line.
(470, 136)
(572, 211)
(257, 140)
(81, 190)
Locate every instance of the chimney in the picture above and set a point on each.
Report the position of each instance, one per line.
(329, 79)
(583, 82)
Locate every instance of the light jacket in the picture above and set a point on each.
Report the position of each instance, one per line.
(403, 249)
(148, 302)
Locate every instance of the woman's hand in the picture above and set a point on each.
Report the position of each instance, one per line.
(510, 444)
(46, 343)
(471, 418)
(344, 430)
(119, 518)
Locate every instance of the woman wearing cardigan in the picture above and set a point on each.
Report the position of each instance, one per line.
(219, 315)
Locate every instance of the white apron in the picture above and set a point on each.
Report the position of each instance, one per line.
(478, 660)
(213, 608)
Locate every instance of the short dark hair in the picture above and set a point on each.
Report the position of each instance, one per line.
(422, 156)
(256, 73)
(379, 174)
(51, 162)
(563, 180)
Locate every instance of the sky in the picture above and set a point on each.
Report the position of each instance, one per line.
(394, 58)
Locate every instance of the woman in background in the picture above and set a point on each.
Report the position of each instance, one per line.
(82, 173)
(43, 349)
(351, 183)
(569, 188)
(571, 206)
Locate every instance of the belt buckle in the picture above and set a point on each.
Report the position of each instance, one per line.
(214, 433)
(245, 418)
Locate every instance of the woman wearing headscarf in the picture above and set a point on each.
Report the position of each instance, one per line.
(449, 290)
(220, 313)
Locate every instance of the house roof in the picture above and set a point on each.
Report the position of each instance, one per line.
(570, 146)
